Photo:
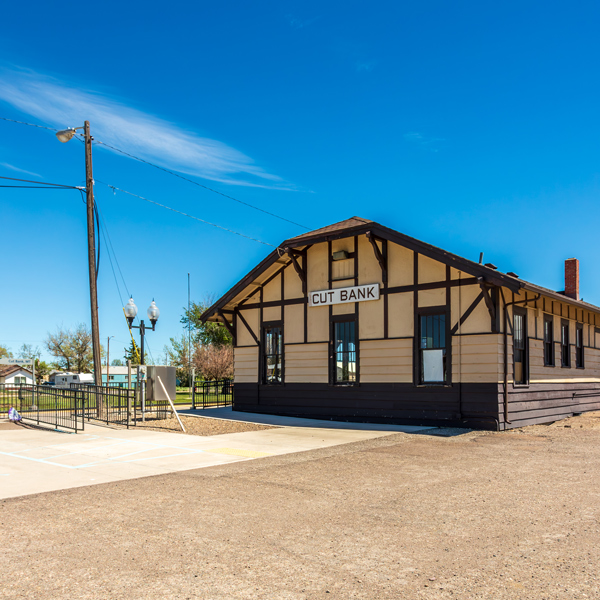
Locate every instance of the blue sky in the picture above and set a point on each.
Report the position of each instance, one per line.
(473, 126)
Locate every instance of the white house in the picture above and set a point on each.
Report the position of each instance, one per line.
(14, 375)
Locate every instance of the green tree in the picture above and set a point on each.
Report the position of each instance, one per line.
(205, 334)
(176, 354)
(42, 369)
(5, 352)
(27, 352)
(133, 354)
(117, 362)
(72, 348)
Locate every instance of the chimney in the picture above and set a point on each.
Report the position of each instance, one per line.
(572, 278)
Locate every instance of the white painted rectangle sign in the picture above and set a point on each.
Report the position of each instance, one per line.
(359, 293)
(15, 361)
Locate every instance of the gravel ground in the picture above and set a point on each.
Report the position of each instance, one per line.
(199, 425)
(481, 515)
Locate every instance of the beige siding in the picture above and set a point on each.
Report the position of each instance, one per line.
(272, 291)
(431, 270)
(401, 314)
(400, 265)
(479, 320)
(370, 319)
(386, 361)
(346, 308)
(318, 273)
(343, 268)
(369, 270)
(477, 358)
(245, 365)
(272, 313)
(244, 338)
(432, 298)
(293, 325)
(306, 363)
(292, 283)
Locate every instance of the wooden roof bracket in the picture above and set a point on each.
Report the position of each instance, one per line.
(488, 301)
(227, 324)
(378, 255)
(301, 272)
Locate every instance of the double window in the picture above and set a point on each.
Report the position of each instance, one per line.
(432, 349)
(273, 353)
(520, 346)
(579, 346)
(344, 359)
(548, 341)
(565, 347)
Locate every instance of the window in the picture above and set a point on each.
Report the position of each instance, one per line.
(273, 354)
(520, 347)
(433, 348)
(111, 377)
(565, 348)
(19, 380)
(344, 359)
(548, 341)
(579, 346)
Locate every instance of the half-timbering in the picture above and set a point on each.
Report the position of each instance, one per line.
(358, 322)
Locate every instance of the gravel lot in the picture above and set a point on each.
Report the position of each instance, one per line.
(199, 425)
(479, 515)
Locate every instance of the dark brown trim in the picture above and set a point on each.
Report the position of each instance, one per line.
(415, 353)
(248, 328)
(386, 309)
(381, 259)
(467, 314)
(230, 328)
(262, 373)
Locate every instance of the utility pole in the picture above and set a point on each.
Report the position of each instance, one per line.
(89, 188)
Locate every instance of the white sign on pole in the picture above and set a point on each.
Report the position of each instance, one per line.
(359, 293)
(15, 361)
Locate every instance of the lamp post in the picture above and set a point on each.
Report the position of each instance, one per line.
(64, 136)
(153, 314)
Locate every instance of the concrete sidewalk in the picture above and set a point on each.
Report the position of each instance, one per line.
(34, 460)
(229, 414)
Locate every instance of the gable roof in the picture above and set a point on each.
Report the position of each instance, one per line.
(7, 370)
(357, 226)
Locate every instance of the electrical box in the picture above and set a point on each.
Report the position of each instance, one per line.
(154, 390)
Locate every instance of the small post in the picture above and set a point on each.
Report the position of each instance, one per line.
(193, 388)
(170, 402)
(129, 387)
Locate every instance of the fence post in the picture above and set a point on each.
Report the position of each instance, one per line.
(193, 388)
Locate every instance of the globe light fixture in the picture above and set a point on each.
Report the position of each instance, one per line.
(131, 311)
(153, 313)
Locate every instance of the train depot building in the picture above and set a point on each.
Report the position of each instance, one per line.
(358, 322)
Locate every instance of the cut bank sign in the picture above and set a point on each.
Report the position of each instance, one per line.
(359, 293)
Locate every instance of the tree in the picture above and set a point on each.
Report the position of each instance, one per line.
(27, 352)
(214, 362)
(5, 352)
(205, 334)
(176, 354)
(133, 354)
(42, 369)
(117, 362)
(72, 349)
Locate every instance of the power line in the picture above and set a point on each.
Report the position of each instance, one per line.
(185, 214)
(199, 184)
(169, 171)
(58, 185)
(30, 124)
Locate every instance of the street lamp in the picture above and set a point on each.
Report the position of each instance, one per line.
(131, 312)
(64, 136)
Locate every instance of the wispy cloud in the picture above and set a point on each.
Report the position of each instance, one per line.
(18, 170)
(365, 65)
(425, 141)
(298, 23)
(145, 135)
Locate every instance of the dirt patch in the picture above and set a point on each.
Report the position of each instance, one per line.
(199, 425)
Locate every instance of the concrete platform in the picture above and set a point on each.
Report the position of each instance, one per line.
(231, 415)
(34, 460)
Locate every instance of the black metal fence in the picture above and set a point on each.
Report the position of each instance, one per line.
(119, 406)
(61, 408)
(212, 394)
